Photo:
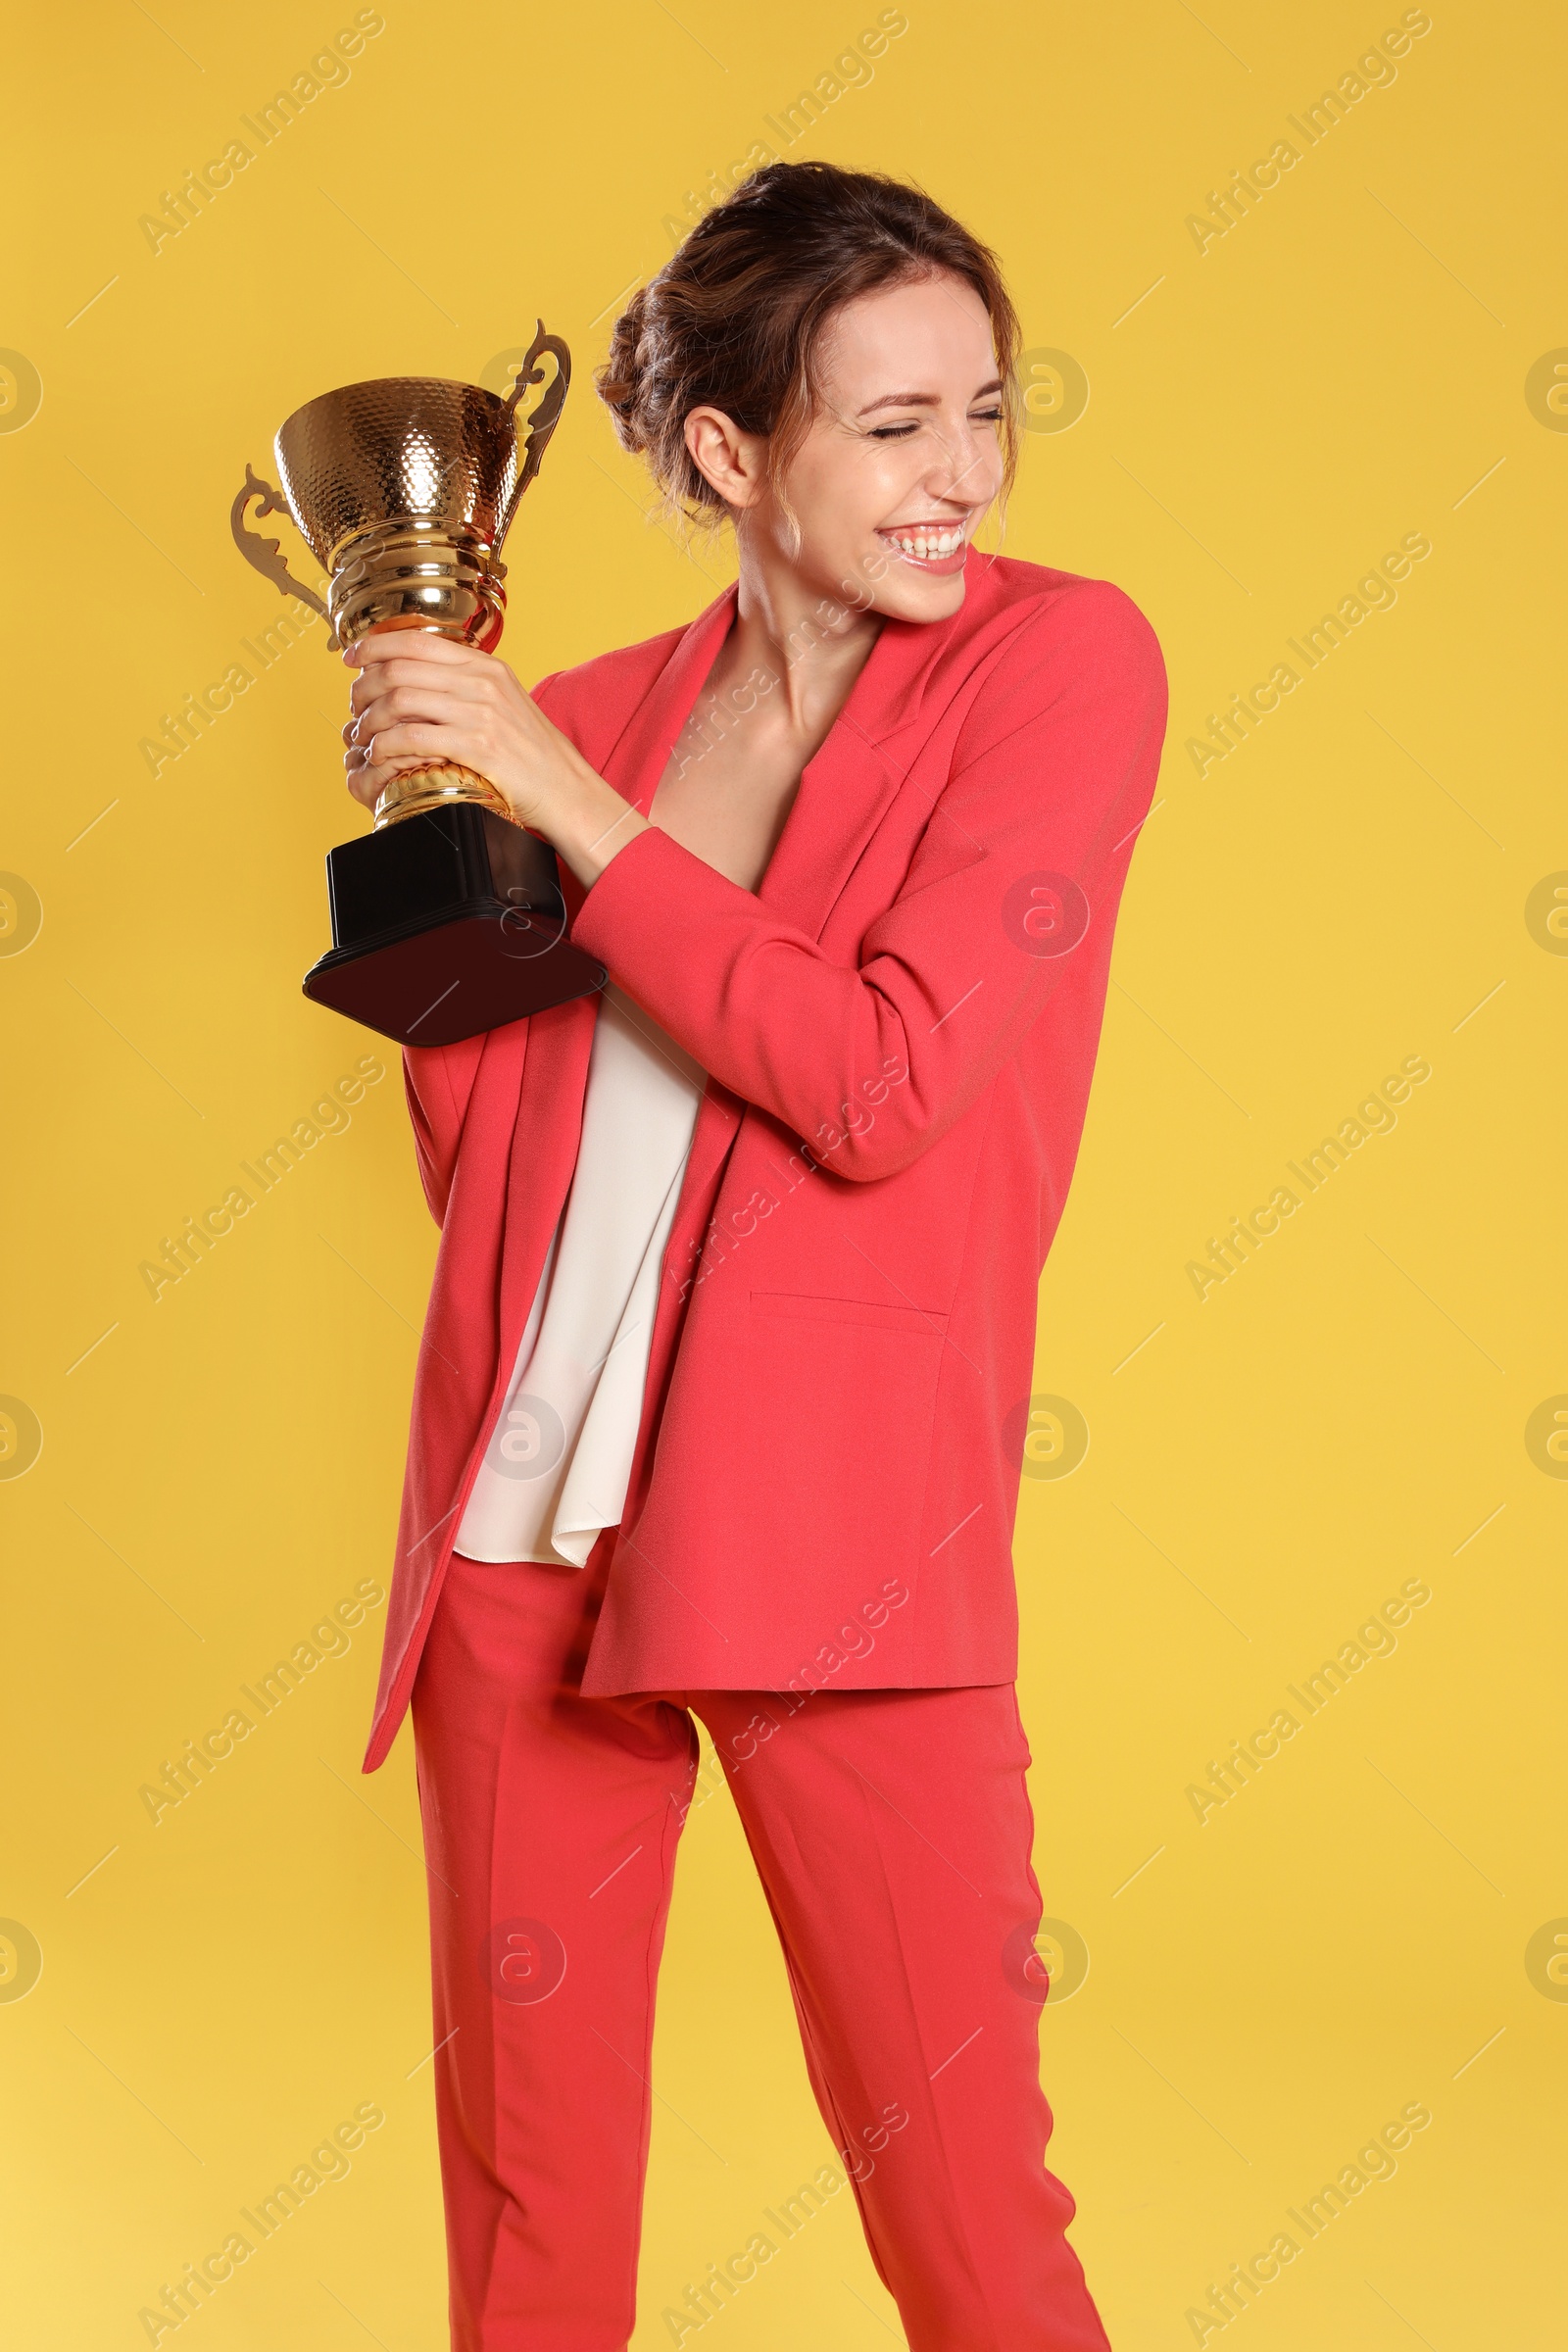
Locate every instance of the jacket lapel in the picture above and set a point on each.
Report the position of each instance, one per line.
(845, 791)
(555, 1065)
(638, 756)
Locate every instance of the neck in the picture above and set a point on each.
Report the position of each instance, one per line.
(811, 641)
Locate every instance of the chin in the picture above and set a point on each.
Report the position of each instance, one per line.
(920, 600)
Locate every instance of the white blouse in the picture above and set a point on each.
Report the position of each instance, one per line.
(558, 1464)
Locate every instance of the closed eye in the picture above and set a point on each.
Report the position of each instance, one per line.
(901, 432)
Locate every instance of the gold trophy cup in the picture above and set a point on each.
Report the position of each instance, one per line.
(448, 918)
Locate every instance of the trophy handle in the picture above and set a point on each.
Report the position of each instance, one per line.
(268, 553)
(547, 416)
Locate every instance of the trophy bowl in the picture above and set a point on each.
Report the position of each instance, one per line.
(404, 490)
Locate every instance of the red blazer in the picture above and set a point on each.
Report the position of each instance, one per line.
(901, 1027)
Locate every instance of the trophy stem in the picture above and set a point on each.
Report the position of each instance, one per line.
(414, 791)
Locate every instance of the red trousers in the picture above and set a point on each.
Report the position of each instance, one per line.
(891, 1832)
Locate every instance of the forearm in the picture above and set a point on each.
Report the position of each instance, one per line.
(784, 1025)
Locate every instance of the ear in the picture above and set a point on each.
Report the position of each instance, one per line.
(732, 460)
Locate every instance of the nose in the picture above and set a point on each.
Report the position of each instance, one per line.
(960, 472)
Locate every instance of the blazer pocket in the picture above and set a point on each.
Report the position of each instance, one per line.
(792, 1307)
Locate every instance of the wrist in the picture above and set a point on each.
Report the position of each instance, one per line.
(592, 827)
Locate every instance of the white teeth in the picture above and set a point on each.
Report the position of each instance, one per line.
(928, 546)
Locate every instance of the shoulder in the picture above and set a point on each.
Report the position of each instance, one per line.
(1040, 621)
(592, 702)
(1052, 650)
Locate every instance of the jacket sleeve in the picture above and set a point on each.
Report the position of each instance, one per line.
(1051, 775)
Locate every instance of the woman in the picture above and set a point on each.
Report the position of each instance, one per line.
(735, 1299)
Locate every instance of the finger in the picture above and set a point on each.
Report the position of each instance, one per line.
(413, 739)
(362, 756)
(413, 645)
(430, 699)
(470, 684)
(411, 708)
(364, 782)
(369, 779)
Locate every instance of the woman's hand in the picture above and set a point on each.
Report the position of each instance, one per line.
(419, 697)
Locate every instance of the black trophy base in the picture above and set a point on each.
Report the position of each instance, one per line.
(446, 926)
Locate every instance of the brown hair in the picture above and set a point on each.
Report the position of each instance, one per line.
(734, 319)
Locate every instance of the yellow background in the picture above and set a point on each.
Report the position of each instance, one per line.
(1342, 892)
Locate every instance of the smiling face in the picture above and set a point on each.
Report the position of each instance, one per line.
(902, 458)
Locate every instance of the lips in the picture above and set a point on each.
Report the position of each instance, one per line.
(927, 547)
